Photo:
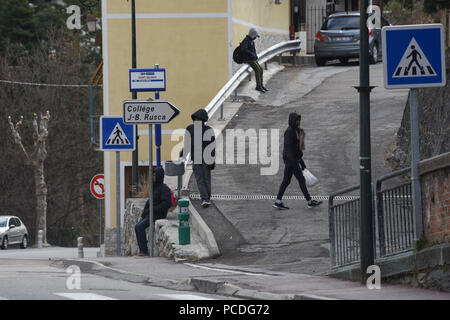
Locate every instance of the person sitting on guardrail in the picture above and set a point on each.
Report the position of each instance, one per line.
(199, 137)
(249, 56)
(162, 201)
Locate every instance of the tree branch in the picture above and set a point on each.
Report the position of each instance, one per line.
(18, 139)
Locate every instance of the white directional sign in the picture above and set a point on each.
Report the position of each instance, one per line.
(144, 111)
(413, 56)
(148, 79)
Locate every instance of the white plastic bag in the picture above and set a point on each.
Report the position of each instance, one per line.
(310, 179)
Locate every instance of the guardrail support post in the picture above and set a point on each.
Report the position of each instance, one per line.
(221, 113)
(265, 65)
(279, 59)
(249, 76)
(235, 97)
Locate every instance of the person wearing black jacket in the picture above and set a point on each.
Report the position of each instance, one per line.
(162, 201)
(293, 162)
(249, 56)
(198, 138)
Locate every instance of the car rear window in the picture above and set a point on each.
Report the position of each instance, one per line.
(342, 23)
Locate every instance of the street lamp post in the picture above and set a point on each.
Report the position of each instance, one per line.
(366, 227)
(134, 173)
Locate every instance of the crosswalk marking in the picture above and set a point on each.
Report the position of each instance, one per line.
(183, 297)
(414, 63)
(84, 296)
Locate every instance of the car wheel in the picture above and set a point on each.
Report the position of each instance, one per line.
(374, 55)
(4, 245)
(24, 243)
(320, 61)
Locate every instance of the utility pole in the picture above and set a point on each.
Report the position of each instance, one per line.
(366, 227)
(134, 169)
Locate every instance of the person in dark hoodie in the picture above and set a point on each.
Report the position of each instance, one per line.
(293, 161)
(249, 56)
(162, 201)
(198, 138)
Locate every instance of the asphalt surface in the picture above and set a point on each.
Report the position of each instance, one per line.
(252, 233)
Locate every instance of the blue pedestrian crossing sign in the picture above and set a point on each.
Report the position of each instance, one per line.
(115, 135)
(414, 56)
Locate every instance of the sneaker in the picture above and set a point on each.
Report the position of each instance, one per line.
(313, 203)
(280, 206)
(205, 204)
(260, 89)
(264, 88)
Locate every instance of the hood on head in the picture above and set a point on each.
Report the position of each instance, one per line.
(200, 114)
(293, 119)
(159, 173)
(253, 33)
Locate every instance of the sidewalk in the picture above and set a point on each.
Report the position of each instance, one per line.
(223, 280)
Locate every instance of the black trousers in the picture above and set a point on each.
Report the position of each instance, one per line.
(289, 170)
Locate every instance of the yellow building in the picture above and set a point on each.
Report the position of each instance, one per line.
(193, 40)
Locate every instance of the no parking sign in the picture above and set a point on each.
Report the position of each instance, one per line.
(98, 186)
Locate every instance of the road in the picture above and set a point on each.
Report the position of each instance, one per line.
(33, 279)
(251, 232)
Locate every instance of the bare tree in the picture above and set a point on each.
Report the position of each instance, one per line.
(36, 161)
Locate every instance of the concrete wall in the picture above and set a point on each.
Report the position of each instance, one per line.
(434, 177)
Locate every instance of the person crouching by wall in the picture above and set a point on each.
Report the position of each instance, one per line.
(162, 201)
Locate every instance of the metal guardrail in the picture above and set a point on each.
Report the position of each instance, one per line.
(395, 215)
(245, 70)
(394, 228)
(344, 228)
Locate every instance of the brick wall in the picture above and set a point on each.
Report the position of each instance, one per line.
(436, 198)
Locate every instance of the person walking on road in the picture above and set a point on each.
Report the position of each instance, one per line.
(294, 143)
(250, 57)
(198, 138)
(162, 201)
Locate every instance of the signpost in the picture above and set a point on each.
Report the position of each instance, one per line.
(414, 57)
(117, 136)
(150, 112)
(97, 187)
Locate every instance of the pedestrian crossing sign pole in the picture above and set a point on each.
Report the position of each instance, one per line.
(115, 135)
(414, 57)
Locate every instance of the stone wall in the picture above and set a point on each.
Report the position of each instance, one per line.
(166, 236)
(434, 177)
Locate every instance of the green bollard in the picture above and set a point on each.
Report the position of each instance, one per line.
(184, 230)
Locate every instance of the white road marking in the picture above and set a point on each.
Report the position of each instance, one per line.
(184, 297)
(84, 296)
(226, 270)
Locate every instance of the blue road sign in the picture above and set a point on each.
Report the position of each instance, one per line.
(115, 135)
(413, 56)
(147, 79)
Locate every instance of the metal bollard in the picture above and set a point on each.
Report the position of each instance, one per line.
(221, 113)
(184, 230)
(40, 237)
(80, 248)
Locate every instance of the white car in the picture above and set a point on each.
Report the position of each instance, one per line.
(12, 231)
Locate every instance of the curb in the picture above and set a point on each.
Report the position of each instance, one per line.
(204, 231)
(208, 286)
